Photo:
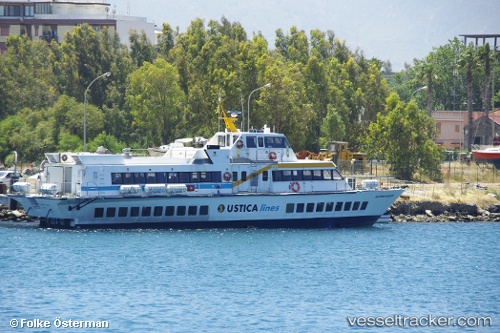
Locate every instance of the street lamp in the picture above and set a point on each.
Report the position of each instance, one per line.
(107, 74)
(248, 107)
(416, 91)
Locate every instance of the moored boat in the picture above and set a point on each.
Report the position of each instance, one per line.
(236, 180)
(488, 155)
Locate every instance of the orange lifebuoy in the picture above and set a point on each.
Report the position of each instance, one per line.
(295, 186)
(272, 155)
(227, 176)
(239, 144)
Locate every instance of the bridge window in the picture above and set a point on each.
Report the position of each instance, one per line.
(251, 142)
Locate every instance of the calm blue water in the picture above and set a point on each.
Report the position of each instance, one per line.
(250, 280)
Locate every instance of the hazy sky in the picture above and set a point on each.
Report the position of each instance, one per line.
(395, 30)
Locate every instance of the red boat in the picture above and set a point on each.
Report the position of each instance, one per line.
(488, 155)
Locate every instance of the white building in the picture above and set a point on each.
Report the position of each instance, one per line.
(52, 19)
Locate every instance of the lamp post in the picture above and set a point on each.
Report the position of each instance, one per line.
(248, 107)
(416, 91)
(107, 74)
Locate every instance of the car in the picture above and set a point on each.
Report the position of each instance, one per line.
(8, 177)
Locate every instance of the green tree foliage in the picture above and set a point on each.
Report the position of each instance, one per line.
(402, 138)
(26, 76)
(156, 101)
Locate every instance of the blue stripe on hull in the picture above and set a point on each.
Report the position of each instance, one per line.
(324, 223)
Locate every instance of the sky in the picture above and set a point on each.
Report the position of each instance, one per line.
(394, 30)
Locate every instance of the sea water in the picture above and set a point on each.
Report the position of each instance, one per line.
(412, 275)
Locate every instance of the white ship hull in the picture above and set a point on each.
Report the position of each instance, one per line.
(319, 210)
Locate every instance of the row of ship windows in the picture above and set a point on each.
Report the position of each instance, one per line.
(118, 178)
(326, 206)
(112, 212)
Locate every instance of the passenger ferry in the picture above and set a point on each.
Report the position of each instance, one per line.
(236, 180)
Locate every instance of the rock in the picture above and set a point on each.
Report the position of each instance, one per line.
(428, 212)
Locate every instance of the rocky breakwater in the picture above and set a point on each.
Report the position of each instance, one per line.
(433, 211)
(7, 215)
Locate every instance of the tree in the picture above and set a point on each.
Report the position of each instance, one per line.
(156, 101)
(468, 62)
(402, 138)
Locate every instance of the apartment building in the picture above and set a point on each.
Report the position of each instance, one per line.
(52, 19)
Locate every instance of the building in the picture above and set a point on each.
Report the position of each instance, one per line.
(483, 134)
(452, 128)
(52, 19)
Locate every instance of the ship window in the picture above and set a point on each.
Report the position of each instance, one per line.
(355, 206)
(216, 176)
(173, 177)
(161, 177)
(290, 207)
(300, 208)
(317, 175)
(139, 178)
(251, 142)
(192, 210)
(150, 178)
(195, 177)
(110, 212)
(363, 205)
(128, 178)
(329, 207)
(261, 141)
(181, 210)
(338, 206)
(169, 211)
(134, 211)
(243, 175)
(235, 176)
(336, 175)
(122, 212)
(307, 174)
(277, 176)
(287, 175)
(310, 207)
(327, 174)
(205, 177)
(183, 177)
(265, 176)
(320, 206)
(297, 174)
(146, 211)
(116, 178)
(99, 212)
(204, 210)
(158, 211)
(347, 206)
